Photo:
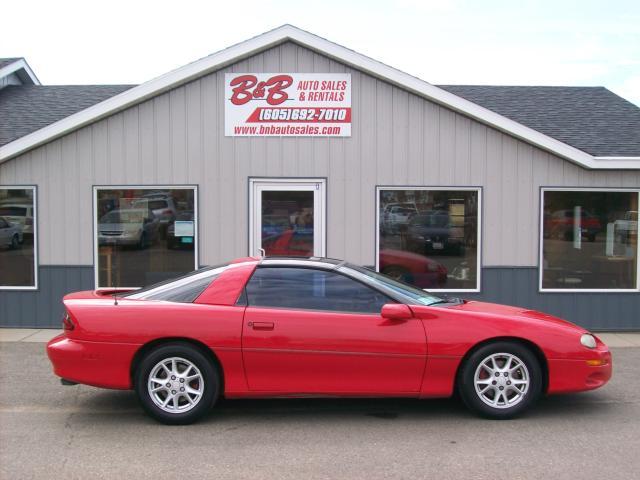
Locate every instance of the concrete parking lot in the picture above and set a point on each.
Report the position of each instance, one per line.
(50, 431)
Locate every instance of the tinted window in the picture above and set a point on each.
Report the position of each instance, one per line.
(310, 289)
(589, 240)
(134, 246)
(18, 265)
(184, 289)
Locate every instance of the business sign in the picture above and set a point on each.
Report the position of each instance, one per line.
(287, 104)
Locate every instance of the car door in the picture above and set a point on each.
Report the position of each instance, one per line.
(6, 232)
(315, 331)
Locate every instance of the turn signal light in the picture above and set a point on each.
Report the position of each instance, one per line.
(598, 362)
(67, 323)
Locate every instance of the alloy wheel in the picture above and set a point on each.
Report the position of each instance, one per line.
(175, 385)
(502, 380)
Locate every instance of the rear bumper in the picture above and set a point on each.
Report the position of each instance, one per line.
(100, 364)
(567, 376)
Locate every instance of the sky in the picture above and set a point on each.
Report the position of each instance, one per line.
(488, 42)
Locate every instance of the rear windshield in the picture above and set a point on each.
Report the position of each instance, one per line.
(13, 211)
(183, 289)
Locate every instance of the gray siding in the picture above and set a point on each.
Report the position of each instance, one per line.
(43, 308)
(511, 286)
(398, 139)
(595, 311)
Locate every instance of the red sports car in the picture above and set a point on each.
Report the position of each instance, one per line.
(291, 327)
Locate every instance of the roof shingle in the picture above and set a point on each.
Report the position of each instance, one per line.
(8, 61)
(27, 108)
(592, 119)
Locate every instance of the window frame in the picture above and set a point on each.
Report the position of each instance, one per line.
(316, 269)
(36, 264)
(196, 213)
(541, 289)
(477, 189)
(255, 187)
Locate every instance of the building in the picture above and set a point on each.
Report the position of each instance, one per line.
(293, 144)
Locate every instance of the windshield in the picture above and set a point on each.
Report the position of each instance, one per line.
(123, 216)
(408, 293)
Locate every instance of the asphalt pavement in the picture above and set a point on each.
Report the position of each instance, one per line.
(50, 431)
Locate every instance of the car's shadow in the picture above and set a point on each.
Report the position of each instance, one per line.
(103, 404)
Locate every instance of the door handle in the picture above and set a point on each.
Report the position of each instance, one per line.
(261, 325)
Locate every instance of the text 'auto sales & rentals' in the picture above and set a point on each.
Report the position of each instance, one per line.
(287, 104)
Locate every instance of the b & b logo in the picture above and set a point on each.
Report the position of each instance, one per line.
(246, 88)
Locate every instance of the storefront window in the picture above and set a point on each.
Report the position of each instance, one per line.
(430, 237)
(18, 238)
(589, 240)
(144, 235)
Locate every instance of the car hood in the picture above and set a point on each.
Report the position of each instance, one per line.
(517, 314)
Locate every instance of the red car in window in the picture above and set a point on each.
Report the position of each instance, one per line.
(291, 327)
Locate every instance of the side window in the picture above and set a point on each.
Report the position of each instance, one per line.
(311, 289)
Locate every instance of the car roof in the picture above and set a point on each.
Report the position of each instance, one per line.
(319, 262)
(21, 205)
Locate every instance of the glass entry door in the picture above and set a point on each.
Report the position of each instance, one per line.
(287, 217)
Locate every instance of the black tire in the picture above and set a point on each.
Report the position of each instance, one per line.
(210, 378)
(15, 242)
(466, 380)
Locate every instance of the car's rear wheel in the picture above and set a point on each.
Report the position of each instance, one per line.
(500, 380)
(15, 242)
(176, 383)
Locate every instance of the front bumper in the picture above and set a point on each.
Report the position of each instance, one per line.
(570, 375)
(106, 241)
(100, 364)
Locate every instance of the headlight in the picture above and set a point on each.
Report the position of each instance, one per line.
(588, 340)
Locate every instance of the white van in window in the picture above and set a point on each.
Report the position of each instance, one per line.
(21, 214)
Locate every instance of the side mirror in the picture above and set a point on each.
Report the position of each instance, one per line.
(396, 311)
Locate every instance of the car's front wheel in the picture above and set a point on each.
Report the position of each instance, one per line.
(500, 380)
(176, 383)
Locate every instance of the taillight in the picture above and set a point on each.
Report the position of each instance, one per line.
(29, 221)
(167, 212)
(67, 323)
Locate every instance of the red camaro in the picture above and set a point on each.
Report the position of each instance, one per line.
(291, 327)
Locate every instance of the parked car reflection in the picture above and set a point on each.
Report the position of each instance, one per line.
(10, 234)
(395, 217)
(560, 224)
(432, 233)
(412, 268)
(295, 242)
(133, 226)
(163, 207)
(19, 213)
